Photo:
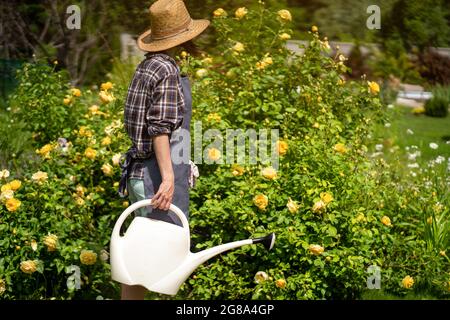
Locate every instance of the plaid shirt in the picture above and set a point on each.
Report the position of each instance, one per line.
(154, 106)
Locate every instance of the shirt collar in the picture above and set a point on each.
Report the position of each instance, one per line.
(163, 55)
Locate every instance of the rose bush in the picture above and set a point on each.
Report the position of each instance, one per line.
(335, 209)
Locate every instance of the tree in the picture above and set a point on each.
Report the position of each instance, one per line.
(40, 29)
(418, 23)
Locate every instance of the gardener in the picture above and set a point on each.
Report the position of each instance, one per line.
(157, 118)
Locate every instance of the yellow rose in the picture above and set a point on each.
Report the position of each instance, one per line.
(4, 174)
(106, 141)
(67, 101)
(88, 257)
(340, 147)
(76, 92)
(214, 117)
(386, 221)
(238, 47)
(326, 197)
(408, 282)
(6, 187)
(12, 204)
(214, 154)
(314, 29)
(284, 36)
(292, 206)
(207, 60)
(116, 159)
(2, 286)
(316, 249)
(282, 147)
(184, 54)
(79, 201)
(318, 206)
(94, 109)
(106, 86)
(261, 201)
(125, 204)
(51, 242)
(280, 283)
(80, 190)
(219, 12)
(45, 150)
(269, 173)
(285, 15)
(264, 63)
(201, 73)
(374, 88)
(107, 169)
(84, 132)
(106, 97)
(237, 170)
(90, 153)
(28, 266)
(7, 194)
(241, 12)
(104, 255)
(261, 276)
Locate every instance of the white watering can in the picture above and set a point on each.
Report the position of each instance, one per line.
(156, 254)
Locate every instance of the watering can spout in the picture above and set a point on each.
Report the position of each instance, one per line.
(174, 280)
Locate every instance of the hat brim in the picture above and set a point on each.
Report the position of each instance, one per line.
(146, 43)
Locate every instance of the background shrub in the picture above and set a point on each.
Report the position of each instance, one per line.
(438, 105)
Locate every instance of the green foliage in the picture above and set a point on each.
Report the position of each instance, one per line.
(438, 105)
(15, 148)
(328, 204)
(420, 23)
(393, 60)
(38, 101)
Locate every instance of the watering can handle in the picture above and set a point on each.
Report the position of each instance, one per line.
(145, 203)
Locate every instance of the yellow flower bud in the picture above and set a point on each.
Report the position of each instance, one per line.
(280, 283)
(386, 221)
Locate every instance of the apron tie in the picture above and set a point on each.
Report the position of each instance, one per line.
(125, 164)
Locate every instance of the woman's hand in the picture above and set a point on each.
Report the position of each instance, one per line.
(163, 198)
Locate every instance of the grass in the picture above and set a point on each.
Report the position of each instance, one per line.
(425, 131)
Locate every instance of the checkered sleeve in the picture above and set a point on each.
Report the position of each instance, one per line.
(164, 115)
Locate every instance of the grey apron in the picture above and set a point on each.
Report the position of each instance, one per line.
(179, 142)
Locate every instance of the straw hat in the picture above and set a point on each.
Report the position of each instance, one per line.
(171, 25)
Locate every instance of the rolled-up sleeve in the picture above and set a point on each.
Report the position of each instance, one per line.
(166, 105)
